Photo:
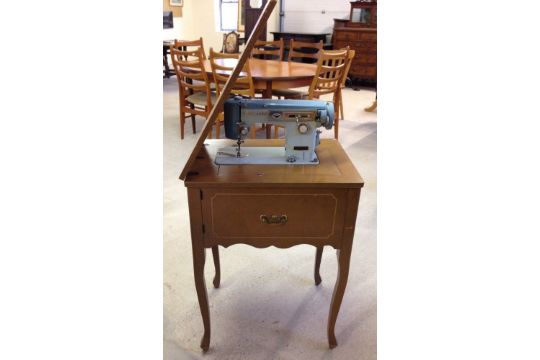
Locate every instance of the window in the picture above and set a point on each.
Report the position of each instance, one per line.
(228, 14)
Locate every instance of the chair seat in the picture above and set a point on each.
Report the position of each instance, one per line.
(212, 85)
(289, 93)
(199, 98)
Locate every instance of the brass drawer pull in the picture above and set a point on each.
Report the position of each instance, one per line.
(274, 219)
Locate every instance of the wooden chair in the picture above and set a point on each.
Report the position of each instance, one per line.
(231, 43)
(243, 85)
(185, 45)
(195, 96)
(299, 52)
(268, 50)
(350, 58)
(327, 80)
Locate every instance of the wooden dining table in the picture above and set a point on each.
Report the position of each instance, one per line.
(272, 74)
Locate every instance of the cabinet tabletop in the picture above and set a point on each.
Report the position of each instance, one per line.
(335, 168)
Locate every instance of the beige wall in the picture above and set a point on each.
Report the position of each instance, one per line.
(177, 10)
(198, 19)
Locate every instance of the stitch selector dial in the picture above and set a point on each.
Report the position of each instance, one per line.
(303, 128)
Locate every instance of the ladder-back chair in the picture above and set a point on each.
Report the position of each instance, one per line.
(195, 96)
(222, 70)
(268, 50)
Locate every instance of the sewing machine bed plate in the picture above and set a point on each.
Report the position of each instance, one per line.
(263, 155)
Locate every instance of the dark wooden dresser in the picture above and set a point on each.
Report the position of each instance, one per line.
(359, 32)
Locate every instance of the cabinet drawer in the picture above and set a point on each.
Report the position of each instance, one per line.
(284, 216)
(371, 71)
(357, 70)
(342, 45)
(368, 36)
(346, 35)
(367, 59)
(364, 46)
(363, 71)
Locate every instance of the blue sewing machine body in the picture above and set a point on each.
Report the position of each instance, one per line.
(300, 118)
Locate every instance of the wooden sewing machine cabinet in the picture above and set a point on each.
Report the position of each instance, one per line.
(273, 205)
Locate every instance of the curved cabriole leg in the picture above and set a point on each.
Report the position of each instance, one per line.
(337, 297)
(200, 285)
(217, 277)
(372, 107)
(318, 256)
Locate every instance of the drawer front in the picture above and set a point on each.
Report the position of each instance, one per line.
(368, 36)
(346, 35)
(371, 71)
(357, 70)
(280, 216)
(363, 71)
(339, 44)
(367, 59)
(364, 46)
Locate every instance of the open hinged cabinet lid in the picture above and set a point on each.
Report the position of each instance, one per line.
(218, 106)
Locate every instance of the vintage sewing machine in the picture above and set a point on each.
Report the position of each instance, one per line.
(300, 118)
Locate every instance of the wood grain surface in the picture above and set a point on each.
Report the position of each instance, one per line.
(334, 171)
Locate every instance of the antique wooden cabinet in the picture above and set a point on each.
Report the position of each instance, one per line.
(359, 32)
(272, 205)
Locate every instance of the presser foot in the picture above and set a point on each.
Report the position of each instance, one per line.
(232, 154)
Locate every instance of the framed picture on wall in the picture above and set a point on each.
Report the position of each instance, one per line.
(176, 2)
(241, 16)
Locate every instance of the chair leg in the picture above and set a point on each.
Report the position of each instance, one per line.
(192, 106)
(341, 110)
(253, 132)
(336, 116)
(182, 122)
(276, 132)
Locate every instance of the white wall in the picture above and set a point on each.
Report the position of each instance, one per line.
(198, 19)
(315, 16)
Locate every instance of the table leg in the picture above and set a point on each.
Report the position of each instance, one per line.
(215, 253)
(167, 72)
(318, 256)
(337, 297)
(267, 94)
(165, 63)
(200, 285)
(344, 259)
(199, 254)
